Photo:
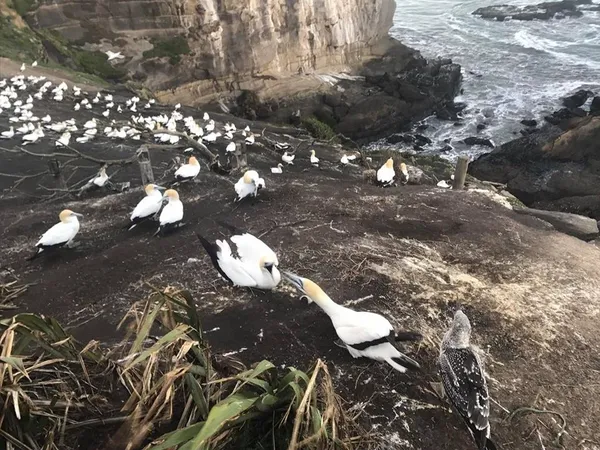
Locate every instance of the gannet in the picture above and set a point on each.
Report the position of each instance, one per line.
(404, 172)
(363, 333)
(108, 97)
(8, 134)
(211, 137)
(464, 382)
(287, 158)
(34, 64)
(313, 158)
(282, 146)
(188, 171)
(250, 139)
(33, 136)
(64, 139)
(206, 117)
(106, 113)
(230, 147)
(344, 159)
(210, 126)
(60, 234)
(113, 55)
(254, 266)
(171, 214)
(278, 169)
(98, 181)
(47, 118)
(443, 184)
(248, 185)
(77, 107)
(148, 206)
(386, 173)
(22, 67)
(90, 124)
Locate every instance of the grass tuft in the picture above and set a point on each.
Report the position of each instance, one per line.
(319, 130)
(173, 48)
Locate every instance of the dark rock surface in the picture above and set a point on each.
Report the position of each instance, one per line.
(575, 225)
(529, 122)
(577, 99)
(552, 168)
(473, 140)
(541, 11)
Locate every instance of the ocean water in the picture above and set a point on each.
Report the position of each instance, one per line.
(512, 70)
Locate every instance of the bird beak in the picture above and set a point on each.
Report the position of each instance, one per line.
(295, 280)
(160, 188)
(77, 214)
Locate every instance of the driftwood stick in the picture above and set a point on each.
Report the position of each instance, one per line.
(460, 174)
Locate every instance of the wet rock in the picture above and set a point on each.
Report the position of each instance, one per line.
(422, 140)
(529, 122)
(418, 176)
(541, 11)
(422, 127)
(446, 149)
(398, 138)
(332, 100)
(473, 140)
(563, 115)
(446, 114)
(575, 225)
(481, 126)
(577, 99)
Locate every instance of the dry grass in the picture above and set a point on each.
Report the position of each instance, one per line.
(159, 389)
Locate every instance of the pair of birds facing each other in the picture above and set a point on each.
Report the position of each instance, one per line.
(386, 175)
(248, 185)
(167, 209)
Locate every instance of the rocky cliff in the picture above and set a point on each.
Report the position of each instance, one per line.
(219, 45)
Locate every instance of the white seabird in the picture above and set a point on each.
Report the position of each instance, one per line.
(464, 382)
(254, 266)
(231, 147)
(60, 234)
(248, 185)
(63, 140)
(386, 174)
(98, 181)
(171, 214)
(113, 55)
(287, 158)
(362, 333)
(404, 172)
(344, 159)
(313, 158)
(278, 169)
(189, 171)
(148, 206)
(250, 139)
(8, 134)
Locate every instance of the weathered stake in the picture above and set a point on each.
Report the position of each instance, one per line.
(460, 173)
(55, 170)
(145, 165)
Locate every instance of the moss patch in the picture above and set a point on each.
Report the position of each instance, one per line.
(97, 63)
(319, 130)
(173, 48)
(19, 44)
(22, 7)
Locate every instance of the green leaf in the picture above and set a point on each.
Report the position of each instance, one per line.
(144, 330)
(317, 420)
(168, 338)
(219, 415)
(251, 376)
(267, 402)
(177, 437)
(16, 363)
(197, 394)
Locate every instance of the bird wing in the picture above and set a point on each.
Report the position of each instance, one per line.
(243, 190)
(171, 213)
(187, 171)
(232, 267)
(251, 249)
(147, 206)
(362, 328)
(58, 234)
(466, 388)
(385, 175)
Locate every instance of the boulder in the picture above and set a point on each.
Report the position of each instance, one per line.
(595, 106)
(478, 141)
(577, 99)
(418, 176)
(481, 126)
(529, 122)
(575, 225)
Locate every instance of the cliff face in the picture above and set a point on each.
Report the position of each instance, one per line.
(231, 42)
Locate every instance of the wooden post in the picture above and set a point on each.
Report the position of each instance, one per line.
(460, 173)
(145, 165)
(240, 156)
(55, 170)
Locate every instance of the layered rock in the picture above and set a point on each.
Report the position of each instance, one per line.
(552, 169)
(541, 11)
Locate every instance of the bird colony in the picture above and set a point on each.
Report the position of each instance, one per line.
(242, 260)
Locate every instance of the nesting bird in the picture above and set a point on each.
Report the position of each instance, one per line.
(189, 171)
(278, 169)
(464, 382)
(171, 214)
(254, 266)
(313, 158)
(386, 175)
(287, 158)
(59, 234)
(97, 182)
(362, 333)
(248, 185)
(8, 134)
(148, 206)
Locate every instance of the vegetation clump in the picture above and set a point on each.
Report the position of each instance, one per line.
(319, 130)
(173, 48)
(19, 44)
(97, 63)
(157, 391)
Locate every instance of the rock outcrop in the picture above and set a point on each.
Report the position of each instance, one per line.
(541, 11)
(552, 168)
(575, 225)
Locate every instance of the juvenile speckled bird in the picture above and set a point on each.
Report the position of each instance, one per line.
(464, 381)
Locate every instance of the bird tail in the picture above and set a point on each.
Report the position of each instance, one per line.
(490, 445)
(36, 254)
(401, 363)
(409, 336)
(210, 248)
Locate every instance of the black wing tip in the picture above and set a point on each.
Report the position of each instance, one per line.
(490, 445)
(407, 362)
(409, 336)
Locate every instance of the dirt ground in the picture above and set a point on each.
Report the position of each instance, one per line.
(413, 253)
